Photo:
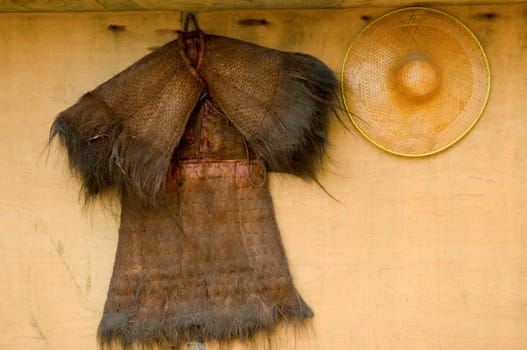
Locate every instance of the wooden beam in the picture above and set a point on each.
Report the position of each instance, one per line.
(172, 5)
(214, 5)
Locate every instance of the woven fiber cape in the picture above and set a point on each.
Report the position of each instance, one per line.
(187, 134)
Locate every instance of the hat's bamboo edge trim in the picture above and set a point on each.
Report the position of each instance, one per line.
(456, 140)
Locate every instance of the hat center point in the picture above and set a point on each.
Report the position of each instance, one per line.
(418, 77)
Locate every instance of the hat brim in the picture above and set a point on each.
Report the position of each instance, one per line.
(371, 92)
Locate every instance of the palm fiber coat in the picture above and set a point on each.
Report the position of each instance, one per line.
(187, 134)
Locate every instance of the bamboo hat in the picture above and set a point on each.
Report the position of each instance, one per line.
(415, 81)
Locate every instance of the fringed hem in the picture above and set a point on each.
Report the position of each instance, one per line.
(283, 336)
(259, 333)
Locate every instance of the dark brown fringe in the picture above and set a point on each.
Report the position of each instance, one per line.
(292, 137)
(283, 335)
(251, 324)
(140, 168)
(88, 131)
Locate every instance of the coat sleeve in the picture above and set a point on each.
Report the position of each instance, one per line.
(280, 101)
(88, 131)
(124, 131)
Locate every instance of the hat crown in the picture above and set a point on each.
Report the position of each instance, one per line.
(417, 77)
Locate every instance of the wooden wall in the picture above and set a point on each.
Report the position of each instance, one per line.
(416, 253)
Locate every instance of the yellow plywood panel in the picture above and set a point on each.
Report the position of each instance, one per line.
(415, 254)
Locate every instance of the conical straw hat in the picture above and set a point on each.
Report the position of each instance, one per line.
(415, 81)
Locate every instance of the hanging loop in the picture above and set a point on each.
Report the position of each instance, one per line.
(190, 25)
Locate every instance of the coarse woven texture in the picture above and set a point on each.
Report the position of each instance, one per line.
(210, 266)
(279, 101)
(415, 81)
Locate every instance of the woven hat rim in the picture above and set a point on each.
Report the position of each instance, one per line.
(353, 117)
